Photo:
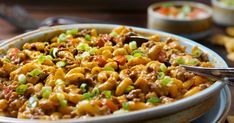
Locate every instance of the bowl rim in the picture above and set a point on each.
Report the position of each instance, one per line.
(221, 5)
(207, 8)
(146, 113)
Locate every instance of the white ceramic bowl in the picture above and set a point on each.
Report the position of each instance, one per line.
(223, 14)
(183, 110)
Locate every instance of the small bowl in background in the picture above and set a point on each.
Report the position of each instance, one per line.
(190, 28)
(223, 14)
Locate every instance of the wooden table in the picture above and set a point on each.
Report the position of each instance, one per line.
(133, 17)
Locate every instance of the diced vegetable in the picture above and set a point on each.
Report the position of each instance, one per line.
(107, 94)
(62, 100)
(53, 52)
(35, 72)
(46, 91)
(163, 67)
(63, 103)
(61, 64)
(108, 68)
(87, 37)
(21, 89)
(154, 100)
(93, 50)
(125, 105)
(137, 53)
(87, 96)
(114, 34)
(32, 103)
(133, 45)
(83, 87)
(129, 57)
(180, 60)
(129, 88)
(95, 92)
(42, 58)
(166, 80)
(197, 53)
(160, 75)
(22, 79)
(59, 82)
(83, 46)
(62, 37)
(72, 32)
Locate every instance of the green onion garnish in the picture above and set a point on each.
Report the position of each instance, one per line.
(166, 80)
(87, 37)
(129, 88)
(114, 34)
(160, 75)
(32, 103)
(197, 53)
(93, 50)
(125, 105)
(137, 53)
(6, 59)
(154, 100)
(107, 94)
(87, 96)
(129, 57)
(193, 62)
(62, 37)
(59, 82)
(72, 32)
(21, 89)
(42, 58)
(61, 64)
(95, 92)
(180, 60)
(186, 9)
(83, 46)
(35, 72)
(53, 52)
(108, 68)
(163, 67)
(63, 103)
(83, 87)
(133, 45)
(22, 79)
(46, 91)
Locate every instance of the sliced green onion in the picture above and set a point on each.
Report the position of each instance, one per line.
(107, 94)
(85, 55)
(133, 45)
(6, 60)
(129, 57)
(160, 75)
(35, 72)
(59, 82)
(83, 46)
(32, 103)
(125, 105)
(21, 89)
(93, 50)
(121, 111)
(46, 91)
(83, 87)
(63, 103)
(197, 53)
(114, 34)
(137, 53)
(62, 37)
(129, 88)
(53, 52)
(186, 9)
(193, 62)
(42, 58)
(154, 100)
(95, 92)
(180, 60)
(163, 67)
(72, 32)
(87, 96)
(108, 68)
(166, 80)
(22, 79)
(61, 64)
(87, 37)
(60, 96)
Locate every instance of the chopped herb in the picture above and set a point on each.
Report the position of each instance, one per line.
(166, 80)
(197, 53)
(108, 68)
(154, 100)
(32, 103)
(72, 32)
(125, 105)
(35, 72)
(93, 50)
(46, 91)
(160, 75)
(83, 46)
(163, 67)
(95, 92)
(63, 103)
(59, 82)
(42, 58)
(53, 52)
(21, 89)
(6, 60)
(87, 96)
(129, 88)
(87, 37)
(61, 64)
(114, 34)
(62, 37)
(107, 94)
(60, 96)
(193, 62)
(180, 60)
(137, 53)
(83, 87)
(129, 57)
(22, 79)
(133, 45)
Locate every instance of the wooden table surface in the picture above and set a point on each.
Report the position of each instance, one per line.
(131, 17)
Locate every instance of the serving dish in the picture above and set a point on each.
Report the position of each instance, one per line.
(190, 28)
(193, 106)
(223, 14)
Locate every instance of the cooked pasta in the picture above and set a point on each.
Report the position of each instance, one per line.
(81, 73)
